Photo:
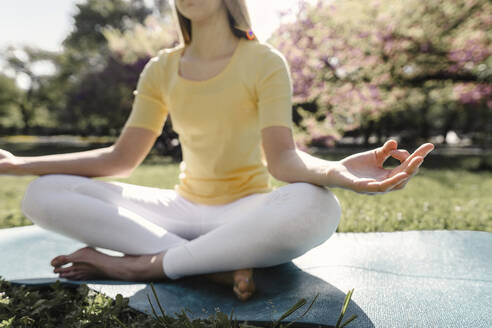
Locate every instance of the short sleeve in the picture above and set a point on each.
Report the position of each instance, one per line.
(274, 90)
(149, 109)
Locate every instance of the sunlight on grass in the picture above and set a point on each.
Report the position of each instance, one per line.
(432, 200)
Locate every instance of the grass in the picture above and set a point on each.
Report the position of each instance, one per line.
(434, 199)
(446, 194)
(79, 306)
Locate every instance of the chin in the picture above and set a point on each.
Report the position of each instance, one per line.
(196, 10)
(195, 16)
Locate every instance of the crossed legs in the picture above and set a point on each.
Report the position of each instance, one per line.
(164, 236)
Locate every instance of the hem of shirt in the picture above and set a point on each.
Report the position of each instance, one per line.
(220, 200)
(277, 123)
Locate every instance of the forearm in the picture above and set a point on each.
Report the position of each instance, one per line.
(91, 163)
(295, 165)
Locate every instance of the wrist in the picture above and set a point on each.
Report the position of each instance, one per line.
(17, 166)
(330, 171)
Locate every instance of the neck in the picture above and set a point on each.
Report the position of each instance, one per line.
(212, 37)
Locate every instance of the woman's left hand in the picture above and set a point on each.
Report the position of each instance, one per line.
(364, 173)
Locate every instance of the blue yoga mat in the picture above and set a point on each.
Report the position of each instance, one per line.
(401, 279)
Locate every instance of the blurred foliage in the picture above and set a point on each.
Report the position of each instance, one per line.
(90, 92)
(409, 67)
(9, 93)
(143, 41)
(134, 48)
(31, 102)
(95, 15)
(67, 99)
(97, 89)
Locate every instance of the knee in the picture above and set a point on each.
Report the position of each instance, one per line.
(320, 212)
(321, 204)
(32, 198)
(35, 196)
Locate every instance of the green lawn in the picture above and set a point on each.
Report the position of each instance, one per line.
(434, 199)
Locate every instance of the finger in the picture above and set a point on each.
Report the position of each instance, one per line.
(414, 165)
(422, 151)
(383, 152)
(401, 185)
(412, 169)
(400, 154)
(361, 184)
(387, 184)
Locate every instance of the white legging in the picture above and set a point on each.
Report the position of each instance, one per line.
(258, 230)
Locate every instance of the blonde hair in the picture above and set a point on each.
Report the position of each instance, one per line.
(237, 13)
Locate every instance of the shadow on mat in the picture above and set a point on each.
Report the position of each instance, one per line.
(278, 288)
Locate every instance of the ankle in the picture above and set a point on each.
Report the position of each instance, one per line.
(147, 267)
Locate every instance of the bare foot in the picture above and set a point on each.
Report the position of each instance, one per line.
(241, 280)
(88, 263)
(244, 285)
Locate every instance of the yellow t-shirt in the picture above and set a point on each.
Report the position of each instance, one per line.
(218, 120)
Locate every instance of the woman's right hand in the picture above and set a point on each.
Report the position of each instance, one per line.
(8, 162)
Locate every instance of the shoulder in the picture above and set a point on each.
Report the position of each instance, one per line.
(157, 63)
(164, 55)
(263, 51)
(263, 58)
(170, 51)
(264, 62)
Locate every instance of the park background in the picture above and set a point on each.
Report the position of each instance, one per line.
(363, 72)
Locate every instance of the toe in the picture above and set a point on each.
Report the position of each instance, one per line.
(59, 261)
(244, 286)
(81, 255)
(63, 270)
(70, 275)
(243, 280)
(64, 259)
(242, 295)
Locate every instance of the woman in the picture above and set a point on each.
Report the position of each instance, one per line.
(230, 99)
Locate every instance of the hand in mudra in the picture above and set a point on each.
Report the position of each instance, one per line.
(364, 173)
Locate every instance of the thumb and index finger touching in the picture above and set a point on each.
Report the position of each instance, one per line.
(416, 157)
(390, 149)
(409, 162)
